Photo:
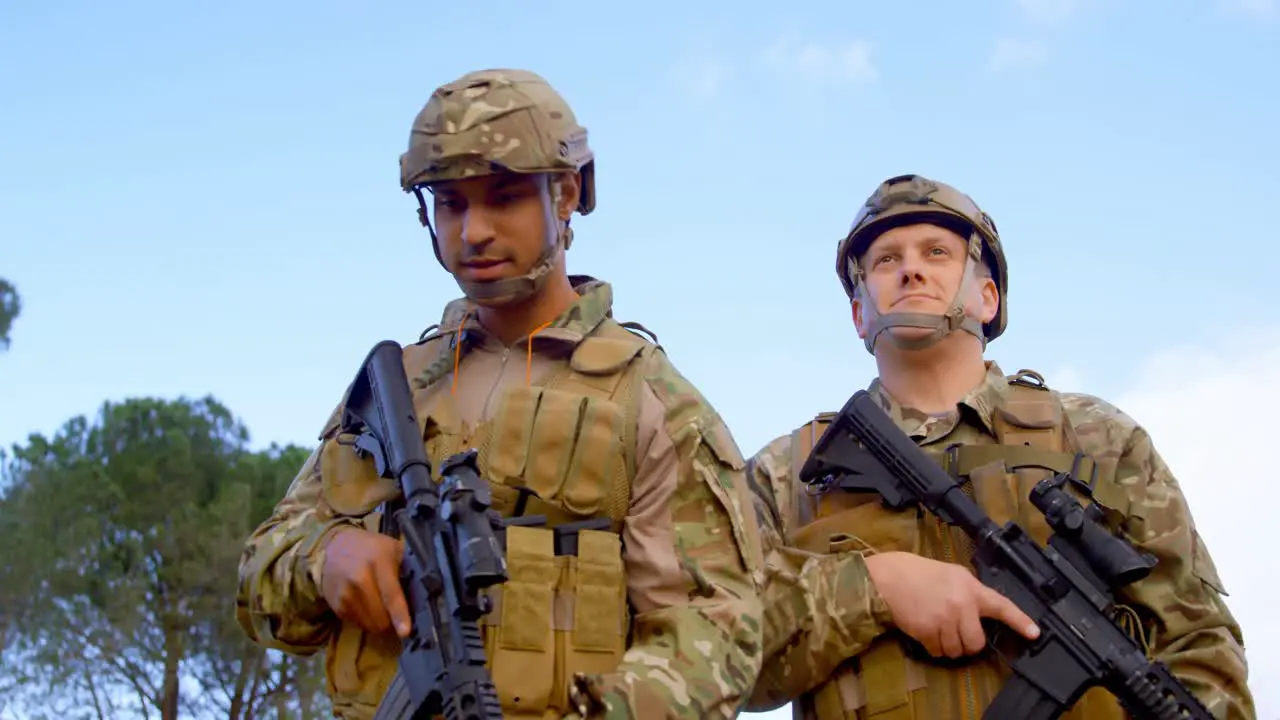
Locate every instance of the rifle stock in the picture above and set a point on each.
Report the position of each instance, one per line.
(1065, 587)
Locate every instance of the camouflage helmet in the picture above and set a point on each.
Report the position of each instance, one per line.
(910, 199)
(494, 121)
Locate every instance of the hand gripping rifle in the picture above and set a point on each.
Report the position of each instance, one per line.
(451, 552)
(1066, 587)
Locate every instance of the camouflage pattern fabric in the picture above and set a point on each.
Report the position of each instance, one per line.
(695, 658)
(500, 119)
(823, 609)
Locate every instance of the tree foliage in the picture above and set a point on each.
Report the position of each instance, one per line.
(10, 306)
(122, 538)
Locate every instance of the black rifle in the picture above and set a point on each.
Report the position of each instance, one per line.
(1066, 587)
(451, 550)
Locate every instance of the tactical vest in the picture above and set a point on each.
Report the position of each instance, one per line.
(894, 678)
(563, 448)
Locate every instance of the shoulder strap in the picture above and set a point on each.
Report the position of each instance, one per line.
(636, 327)
(803, 439)
(1032, 431)
(599, 363)
(609, 364)
(431, 358)
(1030, 415)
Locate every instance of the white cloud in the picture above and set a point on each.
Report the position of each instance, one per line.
(1039, 20)
(1208, 412)
(845, 62)
(1063, 379)
(1010, 53)
(1257, 9)
(703, 78)
(1047, 13)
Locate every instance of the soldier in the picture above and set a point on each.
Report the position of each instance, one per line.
(850, 584)
(574, 417)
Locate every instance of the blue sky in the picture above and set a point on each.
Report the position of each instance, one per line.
(203, 198)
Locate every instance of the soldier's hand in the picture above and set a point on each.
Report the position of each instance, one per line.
(361, 580)
(941, 604)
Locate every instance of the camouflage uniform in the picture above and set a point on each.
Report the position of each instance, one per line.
(655, 616)
(830, 645)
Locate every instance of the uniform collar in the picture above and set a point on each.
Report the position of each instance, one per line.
(978, 407)
(571, 327)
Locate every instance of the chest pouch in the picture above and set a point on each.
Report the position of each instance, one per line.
(564, 447)
(858, 522)
(563, 611)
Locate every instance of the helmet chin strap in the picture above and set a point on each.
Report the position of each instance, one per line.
(496, 293)
(942, 325)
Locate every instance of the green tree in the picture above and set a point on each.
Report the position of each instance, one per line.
(10, 306)
(121, 538)
(240, 679)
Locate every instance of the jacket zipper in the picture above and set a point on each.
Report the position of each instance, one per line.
(502, 371)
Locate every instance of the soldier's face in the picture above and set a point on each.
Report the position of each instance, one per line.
(918, 268)
(496, 226)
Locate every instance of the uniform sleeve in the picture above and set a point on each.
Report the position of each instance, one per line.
(1184, 618)
(692, 561)
(278, 600)
(819, 609)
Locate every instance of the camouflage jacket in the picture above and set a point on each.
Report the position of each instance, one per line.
(822, 609)
(692, 560)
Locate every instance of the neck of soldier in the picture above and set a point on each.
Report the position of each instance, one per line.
(935, 379)
(511, 322)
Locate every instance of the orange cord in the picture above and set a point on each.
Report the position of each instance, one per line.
(457, 352)
(528, 363)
